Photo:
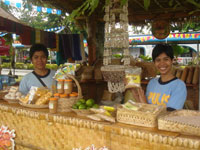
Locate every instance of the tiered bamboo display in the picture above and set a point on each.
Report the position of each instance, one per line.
(189, 74)
(36, 129)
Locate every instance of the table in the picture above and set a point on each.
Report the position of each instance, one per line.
(37, 129)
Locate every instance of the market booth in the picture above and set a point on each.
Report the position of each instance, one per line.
(48, 120)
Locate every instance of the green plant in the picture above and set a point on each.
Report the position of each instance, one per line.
(145, 58)
(178, 50)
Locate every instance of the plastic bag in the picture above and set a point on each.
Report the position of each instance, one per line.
(133, 77)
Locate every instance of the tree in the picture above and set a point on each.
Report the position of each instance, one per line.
(32, 18)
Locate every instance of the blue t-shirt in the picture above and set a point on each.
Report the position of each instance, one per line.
(31, 80)
(170, 94)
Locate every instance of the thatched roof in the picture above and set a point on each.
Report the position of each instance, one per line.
(7, 15)
(158, 9)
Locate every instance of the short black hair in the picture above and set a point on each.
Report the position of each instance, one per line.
(162, 48)
(38, 47)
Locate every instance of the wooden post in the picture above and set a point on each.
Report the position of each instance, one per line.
(91, 26)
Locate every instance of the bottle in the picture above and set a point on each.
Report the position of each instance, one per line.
(60, 86)
(53, 104)
(68, 86)
(53, 87)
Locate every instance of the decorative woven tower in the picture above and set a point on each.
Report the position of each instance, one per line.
(116, 39)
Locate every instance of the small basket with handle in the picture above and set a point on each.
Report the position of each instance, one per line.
(65, 104)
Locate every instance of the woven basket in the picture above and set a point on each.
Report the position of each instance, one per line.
(12, 100)
(33, 105)
(146, 115)
(183, 121)
(114, 73)
(65, 104)
(2, 94)
(82, 112)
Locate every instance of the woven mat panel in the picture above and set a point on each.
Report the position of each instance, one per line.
(127, 143)
(51, 135)
(128, 139)
(19, 147)
(43, 131)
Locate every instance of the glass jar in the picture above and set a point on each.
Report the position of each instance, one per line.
(60, 86)
(68, 86)
(63, 95)
(53, 104)
(73, 95)
(57, 95)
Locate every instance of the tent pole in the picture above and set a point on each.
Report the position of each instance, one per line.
(198, 65)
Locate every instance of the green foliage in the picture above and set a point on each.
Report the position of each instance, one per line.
(5, 65)
(34, 19)
(146, 4)
(171, 2)
(178, 50)
(145, 58)
(28, 66)
(52, 66)
(117, 55)
(123, 2)
(194, 3)
(88, 6)
(5, 57)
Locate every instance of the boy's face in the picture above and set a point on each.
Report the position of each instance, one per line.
(39, 60)
(163, 64)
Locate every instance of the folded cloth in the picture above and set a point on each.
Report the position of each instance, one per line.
(51, 40)
(32, 36)
(76, 51)
(19, 28)
(2, 24)
(26, 35)
(66, 45)
(59, 58)
(10, 26)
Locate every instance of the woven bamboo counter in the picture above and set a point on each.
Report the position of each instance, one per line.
(38, 130)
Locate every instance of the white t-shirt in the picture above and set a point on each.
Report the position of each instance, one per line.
(30, 80)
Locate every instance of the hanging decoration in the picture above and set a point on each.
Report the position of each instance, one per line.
(160, 29)
(116, 39)
(55, 29)
(35, 8)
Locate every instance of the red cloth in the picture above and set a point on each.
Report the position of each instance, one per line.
(2, 24)
(4, 50)
(26, 35)
(19, 28)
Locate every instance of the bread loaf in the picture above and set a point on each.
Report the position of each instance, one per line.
(184, 74)
(195, 79)
(190, 75)
(178, 73)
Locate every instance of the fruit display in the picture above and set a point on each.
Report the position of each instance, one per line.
(85, 104)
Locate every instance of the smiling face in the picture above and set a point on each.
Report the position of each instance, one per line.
(39, 60)
(163, 64)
